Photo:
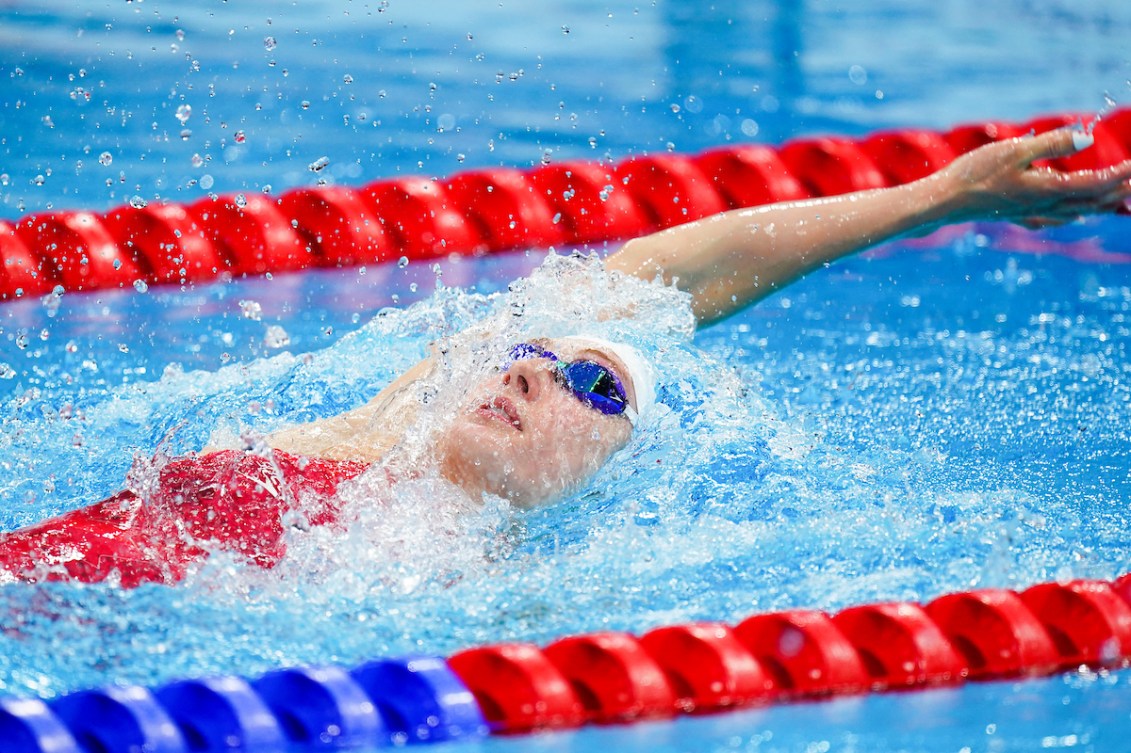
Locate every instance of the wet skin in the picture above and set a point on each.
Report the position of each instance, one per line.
(526, 438)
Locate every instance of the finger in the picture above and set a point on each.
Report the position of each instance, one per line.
(1116, 174)
(1109, 180)
(1060, 142)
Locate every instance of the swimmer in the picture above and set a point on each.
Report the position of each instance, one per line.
(556, 409)
(527, 434)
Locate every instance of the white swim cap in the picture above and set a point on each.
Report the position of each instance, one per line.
(640, 371)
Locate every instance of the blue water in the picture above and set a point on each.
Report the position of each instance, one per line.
(934, 416)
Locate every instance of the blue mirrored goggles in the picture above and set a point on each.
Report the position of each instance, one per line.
(590, 382)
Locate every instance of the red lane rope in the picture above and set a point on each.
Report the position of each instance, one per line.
(800, 654)
(480, 211)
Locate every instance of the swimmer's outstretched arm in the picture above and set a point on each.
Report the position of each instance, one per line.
(733, 259)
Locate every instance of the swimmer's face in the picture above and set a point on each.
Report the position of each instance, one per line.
(525, 437)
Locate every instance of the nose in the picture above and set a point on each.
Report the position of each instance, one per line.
(528, 377)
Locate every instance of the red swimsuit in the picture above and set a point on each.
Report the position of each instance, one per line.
(228, 500)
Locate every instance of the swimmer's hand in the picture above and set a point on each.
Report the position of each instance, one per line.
(999, 181)
(730, 260)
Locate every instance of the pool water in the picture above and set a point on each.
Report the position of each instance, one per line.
(937, 415)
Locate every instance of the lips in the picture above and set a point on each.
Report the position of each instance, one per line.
(501, 409)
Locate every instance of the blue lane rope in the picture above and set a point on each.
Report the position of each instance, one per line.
(386, 702)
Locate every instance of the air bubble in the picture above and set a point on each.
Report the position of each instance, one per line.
(184, 112)
(240, 137)
(402, 262)
(138, 203)
(319, 164)
(269, 43)
(141, 286)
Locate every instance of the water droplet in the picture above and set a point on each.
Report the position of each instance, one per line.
(251, 310)
(138, 203)
(206, 182)
(276, 337)
(197, 160)
(123, 347)
(319, 164)
(186, 134)
(857, 75)
(347, 79)
(117, 264)
(240, 137)
(305, 104)
(269, 43)
(565, 30)
(184, 112)
(53, 300)
(141, 286)
(39, 180)
(21, 341)
(402, 262)
(241, 200)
